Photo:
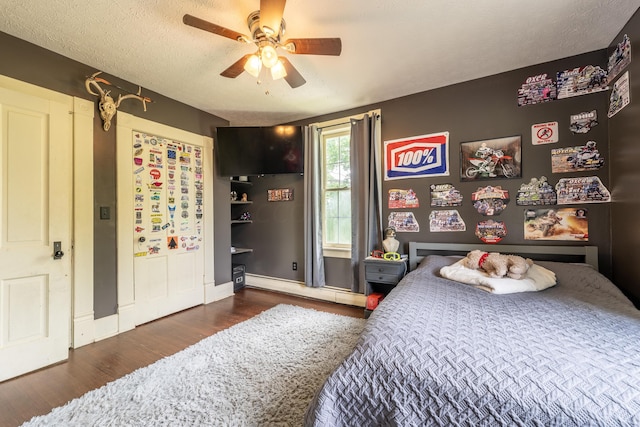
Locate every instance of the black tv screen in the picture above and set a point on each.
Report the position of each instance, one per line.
(259, 150)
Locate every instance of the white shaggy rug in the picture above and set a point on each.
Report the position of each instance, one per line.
(263, 371)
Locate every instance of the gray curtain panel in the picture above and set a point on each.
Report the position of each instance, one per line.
(314, 260)
(366, 188)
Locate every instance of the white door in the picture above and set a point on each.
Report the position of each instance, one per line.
(35, 190)
(168, 226)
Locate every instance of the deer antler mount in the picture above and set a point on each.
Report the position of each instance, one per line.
(108, 107)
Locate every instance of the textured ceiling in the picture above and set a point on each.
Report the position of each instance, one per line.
(390, 48)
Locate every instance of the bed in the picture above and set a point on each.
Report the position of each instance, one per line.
(438, 352)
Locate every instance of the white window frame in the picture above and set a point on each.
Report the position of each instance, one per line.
(328, 126)
(332, 250)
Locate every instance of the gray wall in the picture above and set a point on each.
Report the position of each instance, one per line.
(487, 108)
(276, 234)
(624, 132)
(24, 61)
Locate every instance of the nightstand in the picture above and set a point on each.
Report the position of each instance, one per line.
(382, 276)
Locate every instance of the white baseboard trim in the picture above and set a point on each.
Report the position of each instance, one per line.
(216, 293)
(84, 330)
(298, 288)
(106, 327)
(126, 318)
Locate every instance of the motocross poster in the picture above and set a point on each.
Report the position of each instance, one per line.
(446, 220)
(497, 158)
(491, 231)
(584, 189)
(490, 200)
(556, 224)
(581, 81)
(620, 58)
(445, 195)
(619, 97)
(583, 122)
(536, 89)
(417, 157)
(403, 222)
(403, 199)
(575, 159)
(537, 191)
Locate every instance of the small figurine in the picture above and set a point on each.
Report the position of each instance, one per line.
(390, 244)
(234, 196)
(244, 197)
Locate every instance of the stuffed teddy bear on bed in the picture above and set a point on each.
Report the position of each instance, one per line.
(497, 265)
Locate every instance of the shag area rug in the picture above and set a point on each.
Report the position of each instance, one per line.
(263, 371)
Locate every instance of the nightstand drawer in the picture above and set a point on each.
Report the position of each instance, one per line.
(384, 271)
(374, 276)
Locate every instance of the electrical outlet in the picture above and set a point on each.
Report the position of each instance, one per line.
(294, 265)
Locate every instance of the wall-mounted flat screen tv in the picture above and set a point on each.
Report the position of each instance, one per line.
(259, 150)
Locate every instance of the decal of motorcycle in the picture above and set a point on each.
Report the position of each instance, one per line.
(576, 159)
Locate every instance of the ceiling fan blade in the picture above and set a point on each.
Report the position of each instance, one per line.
(213, 28)
(327, 46)
(271, 12)
(236, 68)
(293, 77)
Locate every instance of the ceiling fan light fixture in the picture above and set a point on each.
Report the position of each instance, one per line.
(253, 65)
(278, 71)
(269, 56)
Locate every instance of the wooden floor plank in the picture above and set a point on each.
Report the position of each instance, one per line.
(94, 365)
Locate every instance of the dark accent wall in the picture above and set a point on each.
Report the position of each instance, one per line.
(32, 64)
(624, 135)
(277, 232)
(487, 108)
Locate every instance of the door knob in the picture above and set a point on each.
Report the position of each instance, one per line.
(57, 250)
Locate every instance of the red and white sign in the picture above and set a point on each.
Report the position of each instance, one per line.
(544, 133)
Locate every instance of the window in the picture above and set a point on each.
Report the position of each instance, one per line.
(336, 189)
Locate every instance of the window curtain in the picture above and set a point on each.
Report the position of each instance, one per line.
(366, 193)
(313, 257)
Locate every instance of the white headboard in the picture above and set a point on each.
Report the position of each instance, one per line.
(587, 254)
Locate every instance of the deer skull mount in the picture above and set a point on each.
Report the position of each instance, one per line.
(108, 107)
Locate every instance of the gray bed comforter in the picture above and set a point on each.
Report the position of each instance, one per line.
(436, 352)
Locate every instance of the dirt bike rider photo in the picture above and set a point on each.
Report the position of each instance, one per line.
(487, 155)
(588, 156)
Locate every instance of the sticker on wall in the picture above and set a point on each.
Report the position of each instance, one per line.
(544, 133)
(556, 224)
(417, 157)
(172, 242)
(280, 195)
(536, 89)
(581, 81)
(446, 220)
(575, 159)
(583, 122)
(536, 192)
(585, 189)
(404, 222)
(620, 95)
(620, 58)
(491, 158)
(403, 199)
(490, 200)
(443, 195)
(491, 231)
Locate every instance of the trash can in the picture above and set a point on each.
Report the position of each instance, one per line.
(238, 276)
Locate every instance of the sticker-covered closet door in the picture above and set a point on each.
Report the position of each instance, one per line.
(168, 229)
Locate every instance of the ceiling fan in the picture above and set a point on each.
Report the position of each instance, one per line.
(266, 27)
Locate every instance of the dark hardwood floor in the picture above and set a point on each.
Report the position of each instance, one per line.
(94, 365)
